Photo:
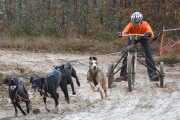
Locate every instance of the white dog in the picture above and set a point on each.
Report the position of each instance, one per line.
(96, 77)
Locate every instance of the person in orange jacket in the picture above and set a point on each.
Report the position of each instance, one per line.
(137, 26)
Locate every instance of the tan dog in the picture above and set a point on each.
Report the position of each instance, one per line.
(96, 77)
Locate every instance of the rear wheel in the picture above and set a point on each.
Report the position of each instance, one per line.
(110, 75)
(131, 72)
(162, 74)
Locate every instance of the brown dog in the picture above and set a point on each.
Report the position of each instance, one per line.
(96, 77)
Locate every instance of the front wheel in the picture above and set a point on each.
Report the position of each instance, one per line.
(131, 72)
(162, 74)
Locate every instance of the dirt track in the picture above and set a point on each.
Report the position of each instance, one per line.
(146, 101)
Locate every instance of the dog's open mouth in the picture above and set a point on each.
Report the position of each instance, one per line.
(35, 89)
(13, 87)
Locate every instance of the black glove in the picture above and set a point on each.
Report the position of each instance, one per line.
(148, 34)
(119, 34)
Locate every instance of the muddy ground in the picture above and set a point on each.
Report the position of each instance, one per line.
(146, 102)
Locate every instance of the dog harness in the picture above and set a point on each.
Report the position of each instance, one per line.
(19, 93)
(54, 73)
(94, 76)
(43, 91)
(15, 94)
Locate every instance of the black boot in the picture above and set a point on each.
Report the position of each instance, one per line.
(154, 76)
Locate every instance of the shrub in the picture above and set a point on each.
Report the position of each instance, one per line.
(50, 31)
(25, 28)
(36, 32)
(104, 36)
(16, 31)
(21, 29)
(169, 59)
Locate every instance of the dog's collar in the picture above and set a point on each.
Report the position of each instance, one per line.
(12, 90)
(44, 93)
(41, 90)
(95, 72)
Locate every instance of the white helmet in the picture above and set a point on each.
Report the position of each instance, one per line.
(136, 17)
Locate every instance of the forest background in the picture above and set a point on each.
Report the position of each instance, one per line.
(80, 26)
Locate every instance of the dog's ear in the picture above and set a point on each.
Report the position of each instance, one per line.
(16, 79)
(90, 58)
(6, 81)
(55, 67)
(94, 58)
(42, 80)
(31, 79)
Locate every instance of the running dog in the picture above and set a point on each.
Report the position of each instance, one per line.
(96, 77)
(47, 86)
(68, 70)
(17, 92)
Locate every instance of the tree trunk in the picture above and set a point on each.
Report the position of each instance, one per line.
(3, 15)
(100, 12)
(23, 10)
(18, 10)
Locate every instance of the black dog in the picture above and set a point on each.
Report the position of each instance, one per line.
(69, 71)
(18, 91)
(48, 85)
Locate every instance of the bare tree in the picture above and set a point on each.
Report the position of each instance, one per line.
(3, 14)
(87, 16)
(18, 10)
(23, 9)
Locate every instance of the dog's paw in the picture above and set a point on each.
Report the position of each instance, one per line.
(78, 83)
(16, 114)
(24, 113)
(58, 109)
(47, 109)
(68, 101)
(30, 106)
(96, 89)
(74, 93)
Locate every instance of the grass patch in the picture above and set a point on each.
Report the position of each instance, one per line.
(56, 45)
(105, 36)
(169, 59)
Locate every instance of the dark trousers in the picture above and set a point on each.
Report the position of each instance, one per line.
(145, 42)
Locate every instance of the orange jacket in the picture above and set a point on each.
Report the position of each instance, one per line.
(129, 29)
